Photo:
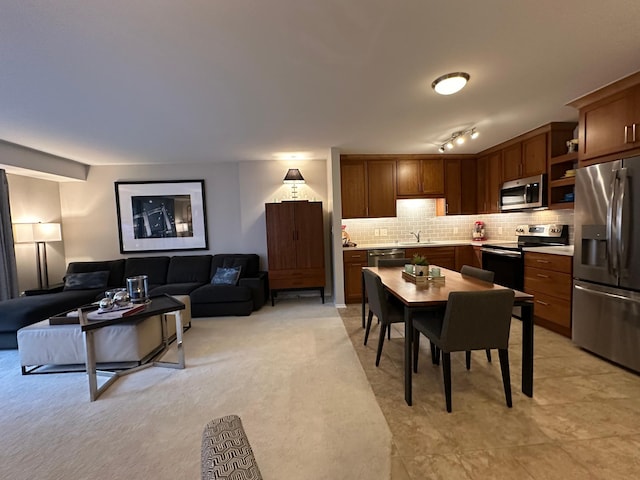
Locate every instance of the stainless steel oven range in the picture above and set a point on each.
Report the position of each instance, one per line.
(506, 260)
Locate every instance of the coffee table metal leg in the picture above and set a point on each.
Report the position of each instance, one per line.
(180, 347)
(92, 371)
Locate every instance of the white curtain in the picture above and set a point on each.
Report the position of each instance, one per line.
(8, 269)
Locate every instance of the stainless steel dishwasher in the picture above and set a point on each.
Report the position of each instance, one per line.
(378, 253)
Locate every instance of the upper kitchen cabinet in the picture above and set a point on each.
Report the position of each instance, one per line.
(525, 159)
(609, 121)
(512, 162)
(489, 181)
(420, 176)
(460, 187)
(368, 186)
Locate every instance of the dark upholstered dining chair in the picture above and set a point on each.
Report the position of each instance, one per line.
(472, 321)
(485, 276)
(386, 311)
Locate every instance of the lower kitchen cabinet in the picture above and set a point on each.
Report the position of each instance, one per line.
(441, 256)
(466, 255)
(354, 260)
(548, 278)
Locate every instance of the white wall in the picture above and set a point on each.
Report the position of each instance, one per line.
(34, 200)
(235, 197)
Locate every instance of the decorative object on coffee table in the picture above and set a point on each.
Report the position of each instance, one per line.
(138, 288)
(161, 216)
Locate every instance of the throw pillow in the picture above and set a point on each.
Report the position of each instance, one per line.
(226, 276)
(232, 262)
(84, 281)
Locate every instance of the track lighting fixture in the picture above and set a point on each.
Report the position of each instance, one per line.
(458, 138)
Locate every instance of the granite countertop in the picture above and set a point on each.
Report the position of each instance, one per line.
(556, 250)
(434, 243)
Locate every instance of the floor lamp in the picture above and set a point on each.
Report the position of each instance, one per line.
(40, 234)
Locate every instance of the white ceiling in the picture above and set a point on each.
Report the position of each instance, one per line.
(146, 81)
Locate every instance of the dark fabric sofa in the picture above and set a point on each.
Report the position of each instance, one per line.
(178, 275)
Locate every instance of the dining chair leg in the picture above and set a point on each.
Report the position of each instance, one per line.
(446, 373)
(488, 355)
(416, 349)
(435, 354)
(467, 358)
(506, 378)
(389, 332)
(366, 332)
(383, 328)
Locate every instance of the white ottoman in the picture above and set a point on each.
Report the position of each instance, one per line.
(45, 344)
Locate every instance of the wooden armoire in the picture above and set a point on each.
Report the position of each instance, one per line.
(295, 246)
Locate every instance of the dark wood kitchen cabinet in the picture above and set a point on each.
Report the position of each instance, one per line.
(420, 176)
(609, 120)
(489, 181)
(460, 187)
(354, 260)
(441, 256)
(368, 186)
(549, 278)
(295, 246)
(525, 159)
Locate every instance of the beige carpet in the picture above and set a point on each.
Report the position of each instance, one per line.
(289, 372)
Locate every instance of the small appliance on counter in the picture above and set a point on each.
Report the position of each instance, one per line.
(346, 239)
(478, 231)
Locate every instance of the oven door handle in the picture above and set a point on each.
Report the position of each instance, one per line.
(503, 253)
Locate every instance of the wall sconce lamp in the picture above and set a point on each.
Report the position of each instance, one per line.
(294, 177)
(40, 234)
(458, 138)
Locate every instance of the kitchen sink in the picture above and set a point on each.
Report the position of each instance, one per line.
(414, 244)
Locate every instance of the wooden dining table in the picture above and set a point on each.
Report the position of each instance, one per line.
(417, 297)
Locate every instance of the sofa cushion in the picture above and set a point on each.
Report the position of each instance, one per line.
(220, 294)
(87, 280)
(226, 276)
(115, 268)
(155, 268)
(225, 260)
(175, 288)
(189, 269)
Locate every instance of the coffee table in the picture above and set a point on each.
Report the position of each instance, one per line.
(160, 305)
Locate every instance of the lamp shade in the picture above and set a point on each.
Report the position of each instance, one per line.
(36, 232)
(293, 176)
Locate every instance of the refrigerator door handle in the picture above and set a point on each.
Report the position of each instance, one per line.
(621, 247)
(611, 254)
(607, 294)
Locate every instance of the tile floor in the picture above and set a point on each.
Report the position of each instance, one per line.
(583, 421)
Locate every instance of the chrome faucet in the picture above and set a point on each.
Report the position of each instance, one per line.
(417, 235)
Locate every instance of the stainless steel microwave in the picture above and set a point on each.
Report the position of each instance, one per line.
(524, 193)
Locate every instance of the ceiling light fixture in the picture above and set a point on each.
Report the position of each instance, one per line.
(458, 138)
(450, 83)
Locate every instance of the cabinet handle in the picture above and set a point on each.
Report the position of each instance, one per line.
(446, 208)
(542, 303)
(633, 129)
(541, 275)
(543, 261)
(626, 133)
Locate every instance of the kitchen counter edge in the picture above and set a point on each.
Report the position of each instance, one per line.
(554, 250)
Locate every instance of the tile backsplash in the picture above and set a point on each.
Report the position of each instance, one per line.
(420, 215)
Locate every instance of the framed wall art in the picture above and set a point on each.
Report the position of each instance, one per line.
(161, 216)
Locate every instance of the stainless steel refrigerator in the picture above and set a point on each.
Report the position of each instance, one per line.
(606, 264)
